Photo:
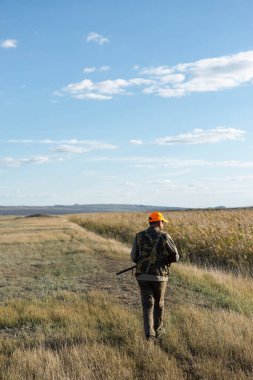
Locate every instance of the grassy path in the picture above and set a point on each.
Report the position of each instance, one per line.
(63, 308)
(39, 256)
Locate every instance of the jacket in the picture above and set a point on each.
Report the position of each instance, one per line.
(153, 251)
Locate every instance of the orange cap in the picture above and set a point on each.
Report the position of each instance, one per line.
(156, 216)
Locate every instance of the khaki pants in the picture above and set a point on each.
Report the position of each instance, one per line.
(152, 299)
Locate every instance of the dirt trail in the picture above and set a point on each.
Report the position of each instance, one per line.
(55, 254)
(124, 287)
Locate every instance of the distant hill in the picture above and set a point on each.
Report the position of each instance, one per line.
(77, 209)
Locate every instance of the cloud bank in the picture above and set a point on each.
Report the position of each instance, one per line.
(17, 162)
(205, 75)
(201, 136)
(71, 146)
(105, 90)
(89, 143)
(165, 162)
(87, 147)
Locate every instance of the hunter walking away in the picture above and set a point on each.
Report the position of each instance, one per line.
(153, 251)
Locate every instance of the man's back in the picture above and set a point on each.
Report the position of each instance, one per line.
(153, 251)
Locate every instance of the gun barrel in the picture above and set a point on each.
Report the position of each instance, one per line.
(125, 270)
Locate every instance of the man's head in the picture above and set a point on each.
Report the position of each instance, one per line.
(156, 219)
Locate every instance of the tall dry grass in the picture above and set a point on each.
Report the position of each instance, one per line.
(52, 326)
(219, 289)
(213, 238)
(73, 337)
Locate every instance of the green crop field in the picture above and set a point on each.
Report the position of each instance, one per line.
(65, 315)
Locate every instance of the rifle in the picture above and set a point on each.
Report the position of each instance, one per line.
(127, 269)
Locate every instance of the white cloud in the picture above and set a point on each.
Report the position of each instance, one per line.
(197, 136)
(105, 90)
(204, 75)
(17, 162)
(201, 136)
(89, 69)
(87, 89)
(92, 96)
(202, 185)
(89, 146)
(16, 141)
(113, 87)
(93, 69)
(213, 74)
(136, 142)
(69, 149)
(104, 68)
(159, 162)
(97, 38)
(92, 143)
(204, 163)
(140, 82)
(156, 71)
(216, 180)
(9, 44)
(74, 146)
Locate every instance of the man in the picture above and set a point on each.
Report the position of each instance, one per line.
(153, 251)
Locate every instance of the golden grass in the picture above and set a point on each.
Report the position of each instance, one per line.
(214, 238)
(218, 344)
(42, 261)
(79, 338)
(222, 289)
(91, 337)
(32, 230)
(56, 324)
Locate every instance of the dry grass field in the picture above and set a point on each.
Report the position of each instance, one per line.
(65, 315)
(213, 238)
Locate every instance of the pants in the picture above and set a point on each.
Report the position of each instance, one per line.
(152, 299)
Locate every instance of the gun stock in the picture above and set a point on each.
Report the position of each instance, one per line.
(126, 270)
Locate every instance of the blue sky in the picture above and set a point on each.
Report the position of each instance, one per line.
(135, 102)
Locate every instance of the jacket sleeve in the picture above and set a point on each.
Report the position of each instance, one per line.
(135, 256)
(172, 249)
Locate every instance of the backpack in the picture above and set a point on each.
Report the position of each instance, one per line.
(155, 257)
